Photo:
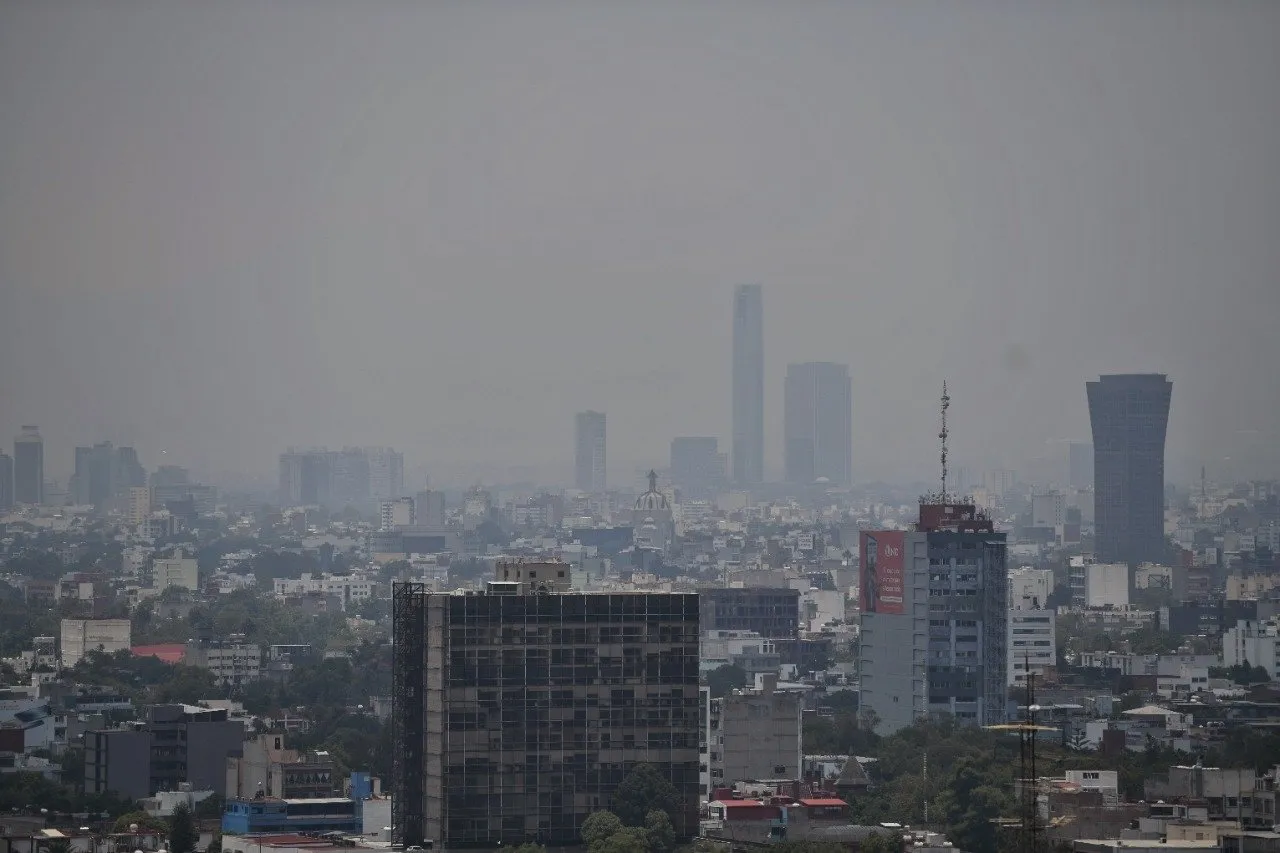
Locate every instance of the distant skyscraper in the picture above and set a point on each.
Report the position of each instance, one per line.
(28, 467)
(386, 473)
(305, 477)
(94, 481)
(818, 429)
(1080, 465)
(748, 384)
(6, 482)
(589, 454)
(1129, 413)
(697, 465)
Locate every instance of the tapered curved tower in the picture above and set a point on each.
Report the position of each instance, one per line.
(1130, 414)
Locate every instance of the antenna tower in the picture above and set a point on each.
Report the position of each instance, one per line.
(942, 436)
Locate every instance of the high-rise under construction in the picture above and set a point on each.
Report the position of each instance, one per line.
(518, 710)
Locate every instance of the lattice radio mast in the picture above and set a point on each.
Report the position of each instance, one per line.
(942, 436)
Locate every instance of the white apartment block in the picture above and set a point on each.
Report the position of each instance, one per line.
(348, 589)
(1032, 644)
(396, 513)
(179, 570)
(232, 662)
(1029, 589)
(138, 505)
(1257, 643)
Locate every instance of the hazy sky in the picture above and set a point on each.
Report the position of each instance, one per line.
(226, 227)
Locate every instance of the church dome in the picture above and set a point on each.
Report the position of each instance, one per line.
(652, 500)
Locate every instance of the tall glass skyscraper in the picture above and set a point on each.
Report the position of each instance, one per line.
(748, 385)
(1129, 413)
(589, 452)
(28, 467)
(818, 428)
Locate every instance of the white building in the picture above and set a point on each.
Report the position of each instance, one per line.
(348, 589)
(1106, 585)
(1253, 642)
(138, 505)
(231, 661)
(1032, 643)
(1106, 782)
(81, 636)
(396, 513)
(1029, 589)
(179, 570)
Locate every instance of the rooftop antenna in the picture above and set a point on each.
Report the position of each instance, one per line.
(942, 435)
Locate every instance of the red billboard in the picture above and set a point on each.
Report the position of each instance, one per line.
(880, 583)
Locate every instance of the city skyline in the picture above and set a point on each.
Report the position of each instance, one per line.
(1082, 234)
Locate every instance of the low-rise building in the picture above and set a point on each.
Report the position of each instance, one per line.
(270, 815)
(268, 768)
(232, 661)
(1032, 644)
(81, 636)
(753, 735)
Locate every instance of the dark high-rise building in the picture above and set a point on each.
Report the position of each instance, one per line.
(770, 612)
(697, 465)
(28, 467)
(589, 452)
(818, 423)
(1129, 413)
(94, 480)
(517, 712)
(129, 471)
(748, 385)
(6, 482)
(1080, 465)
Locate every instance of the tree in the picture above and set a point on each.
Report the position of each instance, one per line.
(629, 839)
(144, 821)
(530, 847)
(598, 827)
(723, 680)
(643, 790)
(182, 830)
(56, 845)
(875, 843)
(659, 832)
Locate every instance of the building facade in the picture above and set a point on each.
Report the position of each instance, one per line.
(81, 636)
(516, 715)
(753, 735)
(748, 385)
(1032, 644)
(176, 744)
(232, 661)
(28, 467)
(6, 482)
(589, 452)
(1129, 414)
(934, 631)
(697, 466)
(772, 612)
(818, 423)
